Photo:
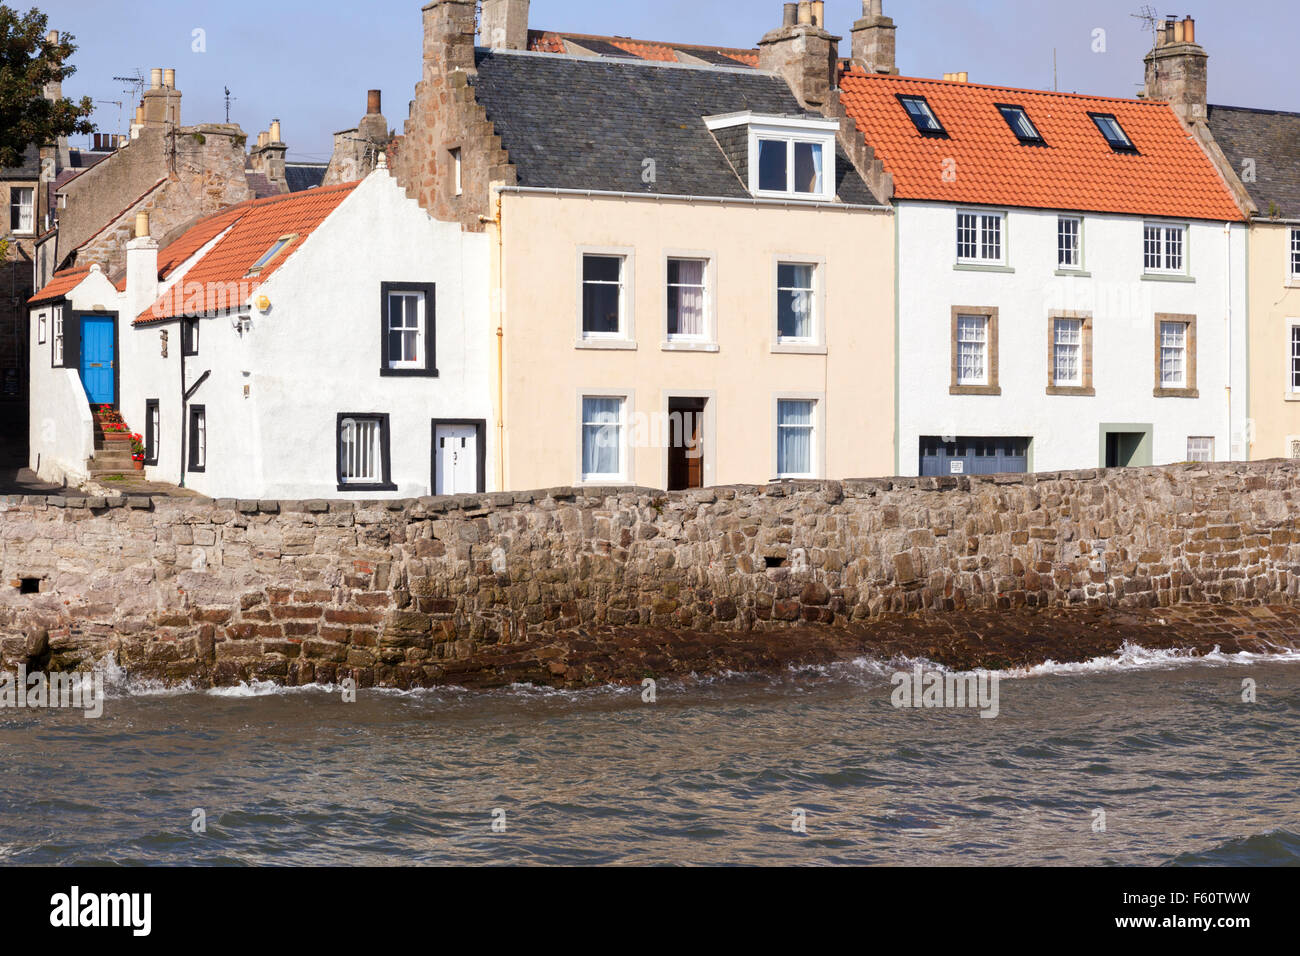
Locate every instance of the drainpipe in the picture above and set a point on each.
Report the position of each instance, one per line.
(501, 334)
(180, 326)
(1227, 319)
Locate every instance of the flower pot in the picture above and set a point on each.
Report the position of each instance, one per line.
(139, 465)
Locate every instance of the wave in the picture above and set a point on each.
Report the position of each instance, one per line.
(1275, 848)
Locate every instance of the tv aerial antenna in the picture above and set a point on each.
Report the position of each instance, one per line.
(1150, 20)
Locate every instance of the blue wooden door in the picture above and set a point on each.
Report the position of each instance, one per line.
(97, 360)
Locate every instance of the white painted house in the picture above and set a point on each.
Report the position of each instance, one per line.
(1071, 275)
(313, 345)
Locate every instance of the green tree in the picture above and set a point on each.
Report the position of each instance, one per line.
(28, 62)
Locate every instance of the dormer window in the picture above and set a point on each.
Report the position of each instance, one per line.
(922, 115)
(1114, 133)
(1018, 119)
(787, 158)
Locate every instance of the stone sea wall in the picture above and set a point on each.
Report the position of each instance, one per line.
(574, 586)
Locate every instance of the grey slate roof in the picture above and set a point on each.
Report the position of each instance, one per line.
(1272, 140)
(590, 123)
(30, 168)
(302, 176)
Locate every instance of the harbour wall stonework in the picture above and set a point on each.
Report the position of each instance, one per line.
(574, 586)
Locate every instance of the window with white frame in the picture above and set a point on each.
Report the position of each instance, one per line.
(22, 209)
(1294, 451)
(602, 296)
(1069, 242)
(405, 330)
(1164, 249)
(1295, 253)
(1068, 353)
(604, 440)
(1200, 449)
(1293, 380)
(41, 329)
(972, 350)
(791, 166)
(796, 302)
(363, 452)
(1173, 355)
(795, 436)
(687, 299)
(979, 238)
(57, 338)
(457, 170)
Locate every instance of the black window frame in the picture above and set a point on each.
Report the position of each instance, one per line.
(189, 337)
(430, 292)
(1127, 147)
(1035, 140)
(385, 456)
(191, 465)
(940, 133)
(151, 440)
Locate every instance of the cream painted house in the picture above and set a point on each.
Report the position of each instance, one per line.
(1263, 147)
(692, 282)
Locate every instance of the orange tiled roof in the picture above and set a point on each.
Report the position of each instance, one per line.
(60, 284)
(1077, 170)
(254, 227)
(546, 41)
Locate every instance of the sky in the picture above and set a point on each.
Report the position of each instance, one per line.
(309, 63)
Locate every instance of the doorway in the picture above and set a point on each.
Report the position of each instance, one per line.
(1126, 446)
(686, 440)
(459, 457)
(98, 359)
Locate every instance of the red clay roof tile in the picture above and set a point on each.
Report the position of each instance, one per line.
(60, 284)
(1170, 175)
(254, 227)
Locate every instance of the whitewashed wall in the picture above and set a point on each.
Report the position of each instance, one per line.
(61, 435)
(1066, 430)
(316, 353)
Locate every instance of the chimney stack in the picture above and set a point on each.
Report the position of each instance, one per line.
(803, 52)
(504, 24)
(275, 131)
(1177, 71)
(162, 101)
(374, 102)
(874, 39)
(141, 267)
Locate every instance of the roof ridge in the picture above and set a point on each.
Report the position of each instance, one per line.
(630, 61)
(1255, 109)
(956, 84)
(665, 43)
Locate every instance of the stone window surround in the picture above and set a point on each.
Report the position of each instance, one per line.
(709, 341)
(817, 344)
(819, 430)
(628, 396)
(626, 339)
(1087, 389)
(1190, 390)
(992, 388)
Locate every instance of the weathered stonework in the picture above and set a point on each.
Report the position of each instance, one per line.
(575, 586)
(445, 116)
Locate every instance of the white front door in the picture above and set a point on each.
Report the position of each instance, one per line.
(455, 449)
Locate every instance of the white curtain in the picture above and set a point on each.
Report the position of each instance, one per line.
(794, 438)
(601, 436)
(817, 166)
(690, 297)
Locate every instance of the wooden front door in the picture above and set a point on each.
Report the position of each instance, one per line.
(686, 440)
